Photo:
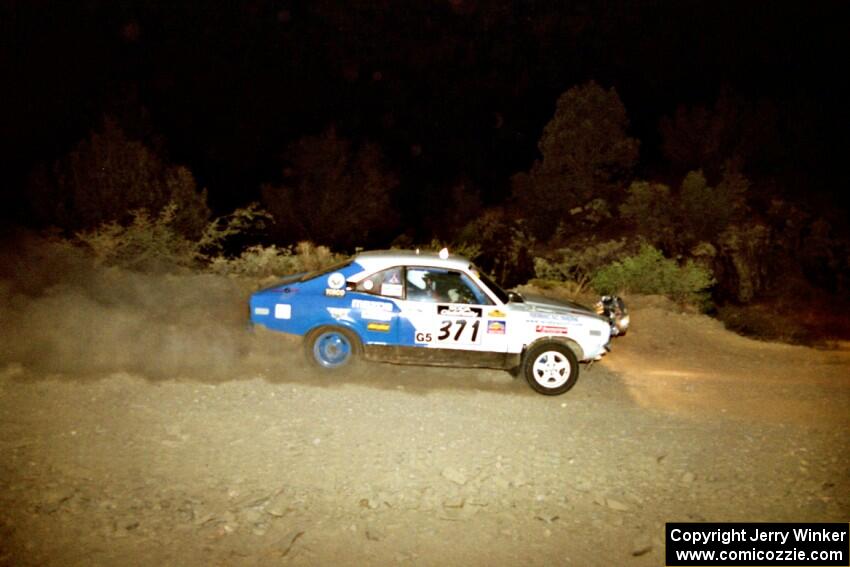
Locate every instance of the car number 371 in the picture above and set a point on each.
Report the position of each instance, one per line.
(402, 307)
(453, 331)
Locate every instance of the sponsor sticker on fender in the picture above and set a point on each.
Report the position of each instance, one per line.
(367, 305)
(542, 317)
(496, 327)
(550, 330)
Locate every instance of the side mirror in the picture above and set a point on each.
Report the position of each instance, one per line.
(515, 297)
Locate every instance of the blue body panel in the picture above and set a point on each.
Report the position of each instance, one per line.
(298, 307)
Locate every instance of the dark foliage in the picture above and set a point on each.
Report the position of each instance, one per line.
(586, 155)
(333, 193)
(106, 177)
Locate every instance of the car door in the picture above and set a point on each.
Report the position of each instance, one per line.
(446, 318)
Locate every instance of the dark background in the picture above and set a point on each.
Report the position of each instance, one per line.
(450, 90)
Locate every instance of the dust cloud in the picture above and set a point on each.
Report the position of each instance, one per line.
(63, 314)
(66, 318)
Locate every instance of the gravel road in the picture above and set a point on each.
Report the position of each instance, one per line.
(269, 463)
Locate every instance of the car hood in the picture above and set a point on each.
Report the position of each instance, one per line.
(540, 304)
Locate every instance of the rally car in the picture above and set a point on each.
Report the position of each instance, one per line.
(432, 309)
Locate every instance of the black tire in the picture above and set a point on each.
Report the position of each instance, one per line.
(550, 367)
(332, 348)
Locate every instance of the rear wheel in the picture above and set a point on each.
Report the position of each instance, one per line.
(551, 368)
(332, 347)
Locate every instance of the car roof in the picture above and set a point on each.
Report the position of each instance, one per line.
(378, 259)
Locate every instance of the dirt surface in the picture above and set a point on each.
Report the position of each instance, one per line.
(188, 445)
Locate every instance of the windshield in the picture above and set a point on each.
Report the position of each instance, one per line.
(494, 287)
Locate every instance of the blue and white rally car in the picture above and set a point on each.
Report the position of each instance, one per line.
(431, 309)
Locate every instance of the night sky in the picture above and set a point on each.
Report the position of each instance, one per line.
(451, 90)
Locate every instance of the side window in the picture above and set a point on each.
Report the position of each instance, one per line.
(386, 283)
(420, 285)
(468, 291)
(437, 285)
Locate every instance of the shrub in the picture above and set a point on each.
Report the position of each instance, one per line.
(651, 210)
(311, 257)
(256, 262)
(707, 211)
(649, 272)
(240, 222)
(157, 243)
(746, 262)
(765, 322)
(575, 265)
(695, 213)
(266, 261)
(146, 243)
(501, 245)
(468, 250)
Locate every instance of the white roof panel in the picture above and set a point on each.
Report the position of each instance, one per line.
(379, 259)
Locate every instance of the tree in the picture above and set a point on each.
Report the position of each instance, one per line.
(449, 210)
(108, 176)
(695, 213)
(333, 193)
(504, 246)
(651, 210)
(586, 155)
(732, 131)
(707, 211)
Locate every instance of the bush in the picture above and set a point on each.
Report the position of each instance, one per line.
(695, 213)
(157, 243)
(256, 262)
(766, 323)
(266, 261)
(652, 210)
(146, 243)
(707, 211)
(501, 246)
(747, 261)
(575, 266)
(649, 272)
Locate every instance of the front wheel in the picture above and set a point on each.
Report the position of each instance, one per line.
(551, 368)
(331, 347)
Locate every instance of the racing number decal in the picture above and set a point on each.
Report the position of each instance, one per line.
(454, 325)
(461, 326)
(453, 330)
